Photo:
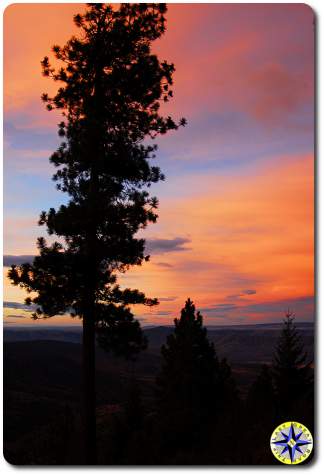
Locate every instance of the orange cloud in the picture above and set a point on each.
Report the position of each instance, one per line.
(246, 232)
(30, 30)
(249, 232)
(246, 61)
(255, 67)
(253, 231)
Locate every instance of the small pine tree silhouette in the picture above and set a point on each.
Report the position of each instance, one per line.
(261, 398)
(191, 386)
(259, 419)
(292, 374)
(134, 409)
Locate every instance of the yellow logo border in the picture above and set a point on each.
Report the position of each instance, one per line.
(276, 451)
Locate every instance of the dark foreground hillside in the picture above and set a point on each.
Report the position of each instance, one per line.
(42, 384)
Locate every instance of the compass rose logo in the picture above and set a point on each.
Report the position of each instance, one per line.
(291, 443)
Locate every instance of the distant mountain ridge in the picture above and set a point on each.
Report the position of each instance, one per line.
(238, 343)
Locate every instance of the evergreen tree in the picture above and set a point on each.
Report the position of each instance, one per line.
(111, 87)
(261, 398)
(292, 374)
(134, 421)
(260, 419)
(134, 410)
(191, 386)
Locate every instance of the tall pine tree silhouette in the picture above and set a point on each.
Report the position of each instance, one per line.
(110, 89)
(292, 374)
(192, 383)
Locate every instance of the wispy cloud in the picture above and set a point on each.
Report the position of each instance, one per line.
(302, 307)
(167, 299)
(164, 264)
(9, 260)
(19, 306)
(249, 292)
(162, 246)
(15, 316)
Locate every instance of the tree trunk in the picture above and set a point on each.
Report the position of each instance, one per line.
(89, 373)
(89, 391)
(89, 349)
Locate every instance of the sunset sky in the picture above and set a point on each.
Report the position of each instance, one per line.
(235, 230)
